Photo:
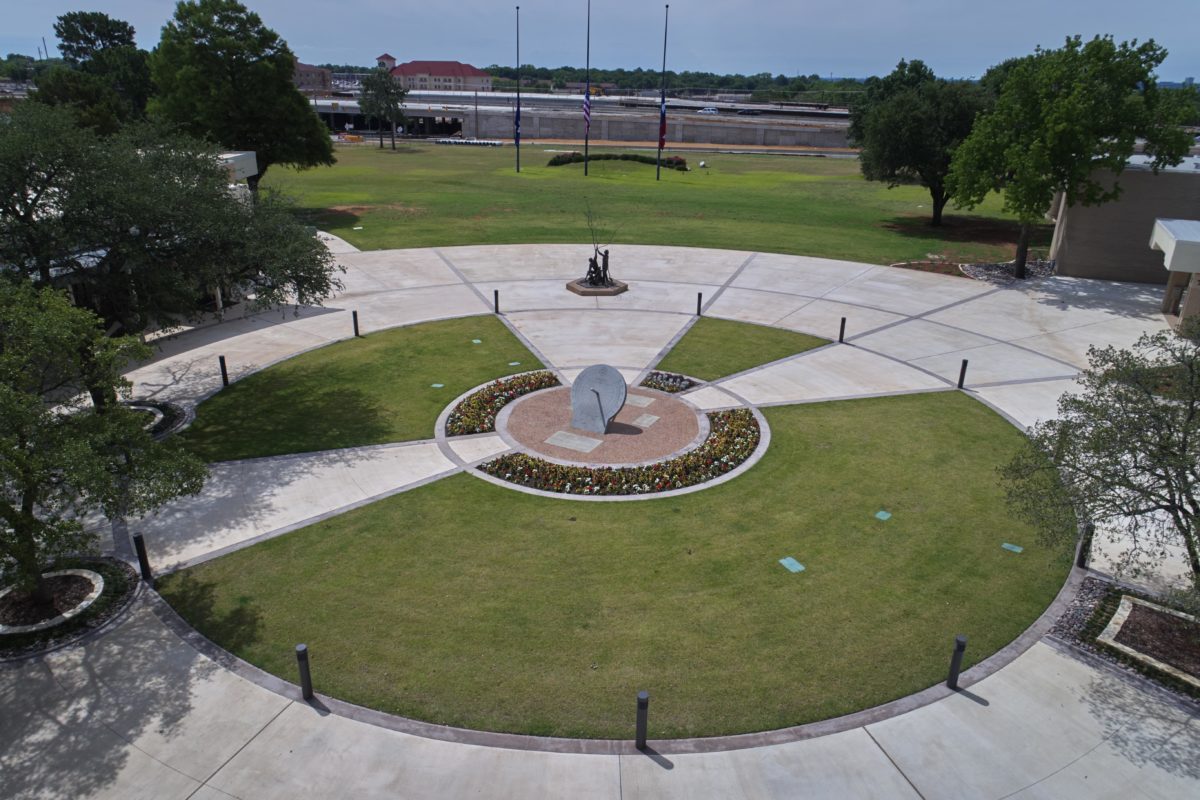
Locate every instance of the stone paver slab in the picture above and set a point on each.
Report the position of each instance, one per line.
(905, 291)
(707, 398)
(993, 363)
(660, 296)
(483, 263)
(824, 318)
(1028, 403)
(631, 262)
(476, 448)
(758, 307)
(630, 339)
(387, 270)
(798, 275)
(919, 338)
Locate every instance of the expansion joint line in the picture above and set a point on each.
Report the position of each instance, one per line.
(892, 761)
(243, 747)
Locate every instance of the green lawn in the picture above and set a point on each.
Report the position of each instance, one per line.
(362, 391)
(714, 348)
(426, 195)
(469, 604)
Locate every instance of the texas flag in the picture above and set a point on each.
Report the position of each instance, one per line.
(662, 122)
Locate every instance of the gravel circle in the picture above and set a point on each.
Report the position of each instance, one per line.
(1004, 274)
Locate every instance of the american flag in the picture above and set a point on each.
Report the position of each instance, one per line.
(517, 126)
(587, 108)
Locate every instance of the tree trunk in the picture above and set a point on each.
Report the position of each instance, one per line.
(1022, 250)
(940, 198)
(380, 135)
(252, 182)
(393, 134)
(1190, 541)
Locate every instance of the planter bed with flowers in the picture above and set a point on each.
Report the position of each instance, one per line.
(477, 412)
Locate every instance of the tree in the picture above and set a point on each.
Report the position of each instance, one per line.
(1067, 121)
(223, 76)
(1124, 452)
(909, 126)
(106, 78)
(142, 225)
(381, 98)
(60, 458)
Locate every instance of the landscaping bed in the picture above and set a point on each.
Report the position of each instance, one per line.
(668, 382)
(477, 412)
(733, 437)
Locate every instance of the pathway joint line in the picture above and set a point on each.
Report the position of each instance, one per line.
(922, 316)
(729, 281)
(892, 761)
(667, 348)
(245, 744)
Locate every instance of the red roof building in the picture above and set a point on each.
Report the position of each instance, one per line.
(442, 76)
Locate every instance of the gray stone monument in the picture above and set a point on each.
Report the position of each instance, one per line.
(596, 397)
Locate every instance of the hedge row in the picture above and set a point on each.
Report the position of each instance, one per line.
(670, 162)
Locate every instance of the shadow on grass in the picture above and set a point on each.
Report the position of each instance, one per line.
(968, 229)
(195, 600)
(329, 218)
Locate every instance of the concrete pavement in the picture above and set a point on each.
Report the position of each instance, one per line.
(141, 712)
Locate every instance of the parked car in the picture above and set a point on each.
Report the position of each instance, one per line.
(748, 112)
(708, 110)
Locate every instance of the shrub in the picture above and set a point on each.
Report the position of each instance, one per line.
(668, 382)
(670, 162)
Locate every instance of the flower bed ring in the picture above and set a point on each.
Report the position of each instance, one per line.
(97, 581)
(475, 411)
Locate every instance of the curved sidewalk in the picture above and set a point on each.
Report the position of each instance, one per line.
(139, 712)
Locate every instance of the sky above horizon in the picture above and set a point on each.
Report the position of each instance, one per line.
(956, 39)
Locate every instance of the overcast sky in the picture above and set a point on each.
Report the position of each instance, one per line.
(957, 38)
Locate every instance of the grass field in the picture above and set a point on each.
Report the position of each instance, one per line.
(469, 604)
(363, 391)
(425, 195)
(714, 348)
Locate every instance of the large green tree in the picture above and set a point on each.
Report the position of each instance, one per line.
(222, 75)
(909, 125)
(381, 98)
(1067, 121)
(105, 79)
(1124, 452)
(62, 458)
(142, 225)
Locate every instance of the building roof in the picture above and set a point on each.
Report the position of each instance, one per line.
(1179, 240)
(444, 69)
(1190, 164)
(385, 55)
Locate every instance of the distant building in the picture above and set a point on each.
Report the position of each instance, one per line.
(440, 75)
(312, 80)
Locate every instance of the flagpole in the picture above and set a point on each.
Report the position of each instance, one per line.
(662, 108)
(587, 91)
(517, 118)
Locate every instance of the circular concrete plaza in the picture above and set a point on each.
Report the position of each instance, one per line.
(147, 708)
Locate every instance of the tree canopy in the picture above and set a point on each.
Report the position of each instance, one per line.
(61, 458)
(142, 225)
(381, 98)
(1124, 452)
(224, 76)
(1067, 121)
(909, 125)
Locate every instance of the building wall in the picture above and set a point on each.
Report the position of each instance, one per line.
(1110, 241)
(426, 82)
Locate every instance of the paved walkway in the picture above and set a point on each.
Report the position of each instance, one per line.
(141, 712)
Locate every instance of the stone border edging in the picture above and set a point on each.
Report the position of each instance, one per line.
(97, 588)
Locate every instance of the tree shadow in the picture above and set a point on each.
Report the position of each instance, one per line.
(1144, 730)
(112, 709)
(967, 229)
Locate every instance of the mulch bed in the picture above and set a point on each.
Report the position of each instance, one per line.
(938, 267)
(1164, 637)
(66, 592)
(120, 587)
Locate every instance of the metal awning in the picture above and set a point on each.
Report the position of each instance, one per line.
(1179, 241)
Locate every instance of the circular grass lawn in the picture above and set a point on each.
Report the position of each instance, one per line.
(473, 605)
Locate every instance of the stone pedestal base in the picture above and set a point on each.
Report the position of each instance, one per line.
(579, 287)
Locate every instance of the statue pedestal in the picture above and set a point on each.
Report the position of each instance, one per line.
(578, 286)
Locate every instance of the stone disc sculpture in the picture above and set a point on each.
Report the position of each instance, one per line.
(596, 397)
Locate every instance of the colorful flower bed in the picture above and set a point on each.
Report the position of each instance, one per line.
(733, 436)
(477, 412)
(668, 382)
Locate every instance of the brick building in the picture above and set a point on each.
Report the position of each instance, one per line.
(437, 75)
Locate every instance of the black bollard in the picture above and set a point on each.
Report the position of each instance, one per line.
(354, 315)
(842, 331)
(305, 676)
(699, 301)
(960, 645)
(962, 374)
(643, 713)
(496, 300)
(224, 371)
(1086, 531)
(139, 545)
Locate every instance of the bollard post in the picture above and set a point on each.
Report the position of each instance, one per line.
(960, 645)
(699, 301)
(842, 331)
(305, 676)
(1087, 531)
(139, 545)
(354, 315)
(496, 300)
(962, 374)
(224, 371)
(643, 712)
